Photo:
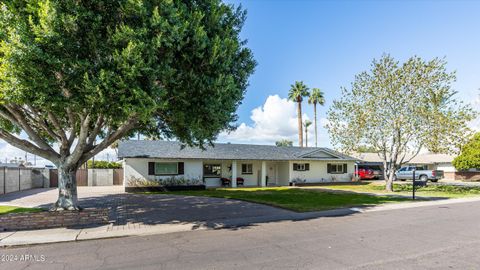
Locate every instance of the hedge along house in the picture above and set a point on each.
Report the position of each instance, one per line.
(257, 165)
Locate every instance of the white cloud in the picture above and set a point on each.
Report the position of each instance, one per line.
(275, 120)
(475, 124)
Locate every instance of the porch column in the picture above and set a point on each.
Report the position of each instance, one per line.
(263, 179)
(234, 173)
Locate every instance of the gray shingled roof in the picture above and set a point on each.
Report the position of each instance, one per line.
(173, 150)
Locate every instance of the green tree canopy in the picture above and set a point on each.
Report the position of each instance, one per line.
(394, 110)
(103, 164)
(469, 157)
(284, 142)
(75, 76)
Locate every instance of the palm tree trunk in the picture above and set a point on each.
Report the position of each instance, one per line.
(300, 127)
(306, 136)
(315, 116)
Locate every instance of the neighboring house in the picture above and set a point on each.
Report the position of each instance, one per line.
(12, 165)
(258, 165)
(429, 160)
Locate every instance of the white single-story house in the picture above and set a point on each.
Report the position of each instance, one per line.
(257, 165)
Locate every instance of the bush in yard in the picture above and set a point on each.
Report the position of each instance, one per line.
(103, 164)
(469, 157)
(81, 75)
(169, 181)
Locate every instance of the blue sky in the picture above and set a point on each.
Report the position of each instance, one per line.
(326, 43)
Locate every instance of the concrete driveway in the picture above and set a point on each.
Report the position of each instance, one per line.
(134, 210)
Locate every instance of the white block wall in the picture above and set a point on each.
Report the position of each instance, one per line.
(100, 177)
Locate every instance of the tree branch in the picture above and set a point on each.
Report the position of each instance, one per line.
(28, 146)
(82, 139)
(58, 127)
(96, 130)
(110, 138)
(71, 120)
(13, 109)
(36, 117)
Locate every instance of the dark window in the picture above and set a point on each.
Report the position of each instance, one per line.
(247, 169)
(336, 168)
(165, 168)
(212, 170)
(301, 166)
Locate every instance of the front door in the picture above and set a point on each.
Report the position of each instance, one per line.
(271, 174)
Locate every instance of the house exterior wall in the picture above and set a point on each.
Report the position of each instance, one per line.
(318, 172)
(138, 168)
(446, 167)
(249, 179)
(279, 172)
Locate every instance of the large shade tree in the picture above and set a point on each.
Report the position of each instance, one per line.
(393, 109)
(76, 76)
(297, 92)
(316, 97)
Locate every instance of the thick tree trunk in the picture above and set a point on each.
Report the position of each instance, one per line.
(67, 189)
(389, 184)
(389, 178)
(315, 116)
(300, 126)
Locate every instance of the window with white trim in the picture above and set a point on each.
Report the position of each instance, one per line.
(212, 170)
(301, 166)
(247, 168)
(336, 168)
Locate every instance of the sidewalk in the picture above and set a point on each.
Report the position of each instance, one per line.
(108, 231)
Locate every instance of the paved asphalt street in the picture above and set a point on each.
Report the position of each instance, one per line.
(434, 237)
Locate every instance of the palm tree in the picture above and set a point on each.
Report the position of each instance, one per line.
(316, 97)
(296, 94)
(307, 123)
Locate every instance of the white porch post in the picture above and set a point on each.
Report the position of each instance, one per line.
(234, 173)
(263, 179)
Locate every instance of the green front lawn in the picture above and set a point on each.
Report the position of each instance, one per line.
(15, 209)
(299, 200)
(406, 189)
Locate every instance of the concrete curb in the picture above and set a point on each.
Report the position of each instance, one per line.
(33, 237)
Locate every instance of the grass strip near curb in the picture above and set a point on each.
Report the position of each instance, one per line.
(438, 191)
(14, 209)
